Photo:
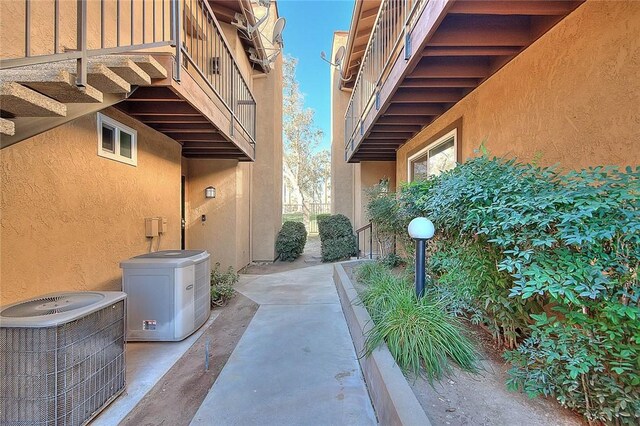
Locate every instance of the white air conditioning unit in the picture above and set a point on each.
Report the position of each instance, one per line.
(61, 357)
(169, 294)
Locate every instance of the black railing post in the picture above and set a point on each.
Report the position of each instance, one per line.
(81, 26)
(176, 36)
(370, 240)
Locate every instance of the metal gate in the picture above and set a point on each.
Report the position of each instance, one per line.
(294, 213)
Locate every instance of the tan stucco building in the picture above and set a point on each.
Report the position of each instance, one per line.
(173, 102)
(550, 82)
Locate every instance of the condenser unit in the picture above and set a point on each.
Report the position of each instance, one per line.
(168, 294)
(61, 357)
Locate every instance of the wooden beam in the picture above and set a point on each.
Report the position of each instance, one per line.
(429, 96)
(210, 137)
(164, 108)
(441, 82)
(472, 51)
(207, 145)
(162, 119)
(489, 30)
(183, 126)
(451, 67)
(413, 109)
(373, 145)
(223, 13)
(366, 148)
(169, 131)
(390, 135)
(393, 120)
(202, 144)
(521, 7)
(398, 128)
(160, 94)
(210, 152)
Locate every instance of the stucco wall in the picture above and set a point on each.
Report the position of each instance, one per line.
(12, 30)
(369, 174)
(343, 178)
(573, 97)
(69, 216)
(225, 233)
(267, 170)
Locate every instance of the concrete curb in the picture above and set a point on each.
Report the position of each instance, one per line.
(392, 398)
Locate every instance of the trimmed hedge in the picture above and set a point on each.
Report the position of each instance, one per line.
(291, 240)
(337, 239)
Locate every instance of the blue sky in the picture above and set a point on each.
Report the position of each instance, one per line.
(309, 30)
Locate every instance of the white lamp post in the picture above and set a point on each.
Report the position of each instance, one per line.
(420, 229)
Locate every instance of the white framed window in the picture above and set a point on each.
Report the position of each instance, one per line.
(437, 157)
(117, 141)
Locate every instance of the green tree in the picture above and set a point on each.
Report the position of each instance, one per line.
(309, 166)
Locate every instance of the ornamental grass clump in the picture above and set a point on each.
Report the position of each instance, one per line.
(422, 337)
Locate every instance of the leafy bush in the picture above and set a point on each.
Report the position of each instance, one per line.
(337, 239)
(291, 240)
(550, 260)
(338, 248)
(222, 285)
(322, 216)
(420, 334)
(334, 226)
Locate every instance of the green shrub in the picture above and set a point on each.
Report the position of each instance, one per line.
(422, 337)
(550, 261)
(337, 239)
(322, 216)
(334, 226)
(338, 248)
(222, 285)
(291, 240)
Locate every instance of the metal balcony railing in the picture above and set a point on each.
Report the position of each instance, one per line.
(202, 44)
(389, 37)
(58, 30)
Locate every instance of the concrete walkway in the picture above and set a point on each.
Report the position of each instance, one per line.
(295, 364)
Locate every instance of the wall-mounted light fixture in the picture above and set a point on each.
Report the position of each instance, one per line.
(210, 192)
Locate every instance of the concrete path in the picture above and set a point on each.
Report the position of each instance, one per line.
(295, 364)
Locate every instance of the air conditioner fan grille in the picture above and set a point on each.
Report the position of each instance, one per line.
(51, 305)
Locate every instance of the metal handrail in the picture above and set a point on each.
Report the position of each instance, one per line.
(161, 33)
(203, 45)
(390, 35)
(143, 25)
(363, 230)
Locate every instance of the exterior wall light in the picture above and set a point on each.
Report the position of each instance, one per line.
(421, 229)
(210, 192)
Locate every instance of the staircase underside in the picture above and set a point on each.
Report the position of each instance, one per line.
(165, 109)
(38, 98)
(457, 46)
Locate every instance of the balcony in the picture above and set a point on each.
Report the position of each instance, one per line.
(196, 93)
(423, 56)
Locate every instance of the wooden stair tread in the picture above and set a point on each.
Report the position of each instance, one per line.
(20, 101)
(7, 127)
(149, 64)
(53, 82)
(125, 68)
